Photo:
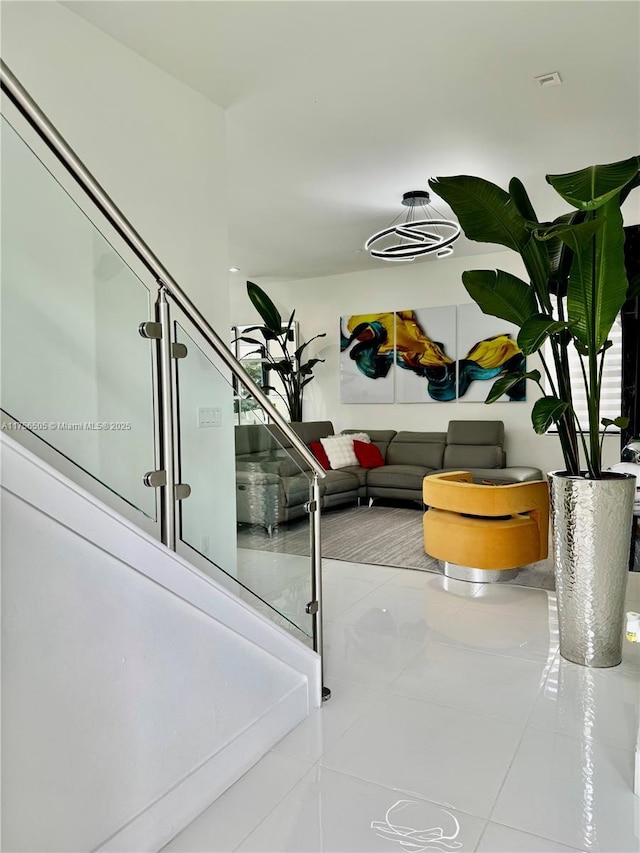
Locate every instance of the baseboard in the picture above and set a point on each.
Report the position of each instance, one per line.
(151, 830)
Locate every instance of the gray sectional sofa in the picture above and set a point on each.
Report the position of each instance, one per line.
(272, 480)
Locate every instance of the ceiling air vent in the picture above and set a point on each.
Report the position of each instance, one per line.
(546, 80)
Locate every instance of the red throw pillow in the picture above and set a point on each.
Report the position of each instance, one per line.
(321, 454)
(368, 455)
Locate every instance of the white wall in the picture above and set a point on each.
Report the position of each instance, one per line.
(320, 302)
(135, 689)
(156, 146)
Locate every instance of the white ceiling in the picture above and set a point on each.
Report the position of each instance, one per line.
(334, 109)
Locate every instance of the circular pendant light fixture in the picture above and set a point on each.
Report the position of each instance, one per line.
(418, 237)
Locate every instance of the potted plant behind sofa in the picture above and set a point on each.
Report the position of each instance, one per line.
(577, 286)
(294, 374)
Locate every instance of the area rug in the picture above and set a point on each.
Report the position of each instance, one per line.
(381, 535)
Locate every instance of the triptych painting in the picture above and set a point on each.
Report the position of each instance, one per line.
(427, 355)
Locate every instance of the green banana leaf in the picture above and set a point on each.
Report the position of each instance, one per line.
(576, 236)
(284, 368)
(307, 367)
(535, 331)
(600, 267)
(579, 256)
(488, 214)
(303, 346)
(590, 188)
(560, 255)
(521, 200)
(546, 411)
(267, 334)
(597, 281)
(621, 423)
(501, 294)
(505, 383)
(265, 308)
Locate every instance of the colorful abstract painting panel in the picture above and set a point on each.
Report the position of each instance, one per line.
(366, 358)
(487, 349)
(425, 355)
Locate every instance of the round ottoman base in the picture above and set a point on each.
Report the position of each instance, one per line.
(468, 573)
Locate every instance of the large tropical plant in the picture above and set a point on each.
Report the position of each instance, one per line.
(577, 286)
(294, 373)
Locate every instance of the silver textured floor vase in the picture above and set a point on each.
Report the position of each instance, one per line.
(591, 528)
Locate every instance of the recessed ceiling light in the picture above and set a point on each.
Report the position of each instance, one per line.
(547, 80)
(234, 269)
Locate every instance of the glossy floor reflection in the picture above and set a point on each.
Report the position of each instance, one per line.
(454, 725)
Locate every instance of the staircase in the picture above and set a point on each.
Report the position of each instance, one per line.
(142, 673)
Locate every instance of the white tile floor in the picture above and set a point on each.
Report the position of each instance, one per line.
(454, 725)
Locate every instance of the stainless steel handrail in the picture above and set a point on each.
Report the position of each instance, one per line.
(12, 87)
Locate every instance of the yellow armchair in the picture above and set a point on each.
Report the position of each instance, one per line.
(484, 532)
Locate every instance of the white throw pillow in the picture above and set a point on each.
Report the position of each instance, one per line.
(360, 436)
(339, 449)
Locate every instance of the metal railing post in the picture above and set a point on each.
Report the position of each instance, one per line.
(167, 432)
(316, 580)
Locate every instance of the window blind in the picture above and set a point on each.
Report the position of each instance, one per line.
(611, 397)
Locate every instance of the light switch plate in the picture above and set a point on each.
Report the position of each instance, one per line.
(209, 416)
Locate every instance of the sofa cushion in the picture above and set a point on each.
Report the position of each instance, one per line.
(475, 432)
(339, 449)
(417, 448)
(256, 477)
(339, 481)
(269, 463)
(459, 457)
(320, 453)
(296, 489)
(398, 477)
(309, 431)
(257, 438)
(379, 437)
(359, 472)
(276, 438)
(368, 454)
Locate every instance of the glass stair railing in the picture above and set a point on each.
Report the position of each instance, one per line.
(111, 375)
